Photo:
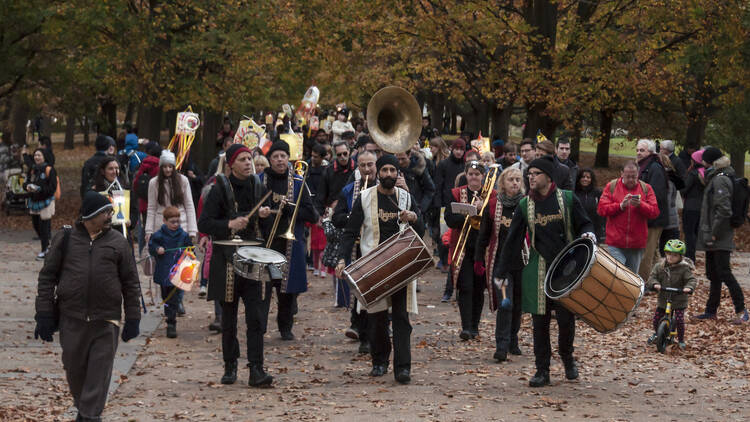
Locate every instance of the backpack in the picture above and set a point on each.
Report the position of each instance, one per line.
(141, 186)
(613, 183)
(740, 200)
(58, 192)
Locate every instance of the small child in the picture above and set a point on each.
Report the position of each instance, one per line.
(164, 247)
(673, 271)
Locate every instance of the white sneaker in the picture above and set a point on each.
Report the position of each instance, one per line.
(202, 291)
(316, 273)
(41, 255)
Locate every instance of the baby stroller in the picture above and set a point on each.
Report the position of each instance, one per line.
(15, 195)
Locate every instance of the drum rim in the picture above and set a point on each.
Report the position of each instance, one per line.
(555, 262)
(279, 255)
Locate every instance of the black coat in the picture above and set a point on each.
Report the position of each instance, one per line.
(445, 177)
(88, 172)
(334, 178)
(590, 201)
(655, 175)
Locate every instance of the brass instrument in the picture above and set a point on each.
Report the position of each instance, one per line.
(474, 221)
(301, 168)
(394, 119)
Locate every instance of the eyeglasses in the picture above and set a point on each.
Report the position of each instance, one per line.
(342, 154)
(535, 173)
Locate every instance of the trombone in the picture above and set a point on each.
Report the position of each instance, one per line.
(300, 168)
(473, 221)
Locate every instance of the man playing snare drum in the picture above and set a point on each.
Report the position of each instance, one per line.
(551, 216)
(393, 208)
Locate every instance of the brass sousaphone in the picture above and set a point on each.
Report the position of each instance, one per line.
(394, 119)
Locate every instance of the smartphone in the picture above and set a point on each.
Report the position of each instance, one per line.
(638, 197)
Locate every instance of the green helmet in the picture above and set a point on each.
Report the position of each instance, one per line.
(675, 246)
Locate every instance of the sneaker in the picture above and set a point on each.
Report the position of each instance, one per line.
(40, 256)
(742, 317)
(651, 339)
(202, 292)
(705, 316)
(316, 273)
(446, 298)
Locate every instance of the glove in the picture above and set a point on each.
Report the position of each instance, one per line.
(131, 329)
(479, 268)
(45, 326)
(589, 235)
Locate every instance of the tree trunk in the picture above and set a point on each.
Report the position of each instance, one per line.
(696, 131)
(149, 123)
(737, 160)
(575, 140)
(129, 111)
(5, 121)
(435, 107)
(70, 132)
(204, 148)
(501, 122)
(109, 118)
(605, 130)
(18, 119)
(170, 120)
(536, 121)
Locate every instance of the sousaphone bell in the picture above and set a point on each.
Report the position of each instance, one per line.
(394, 119)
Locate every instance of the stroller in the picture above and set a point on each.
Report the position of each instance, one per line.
(15, 195)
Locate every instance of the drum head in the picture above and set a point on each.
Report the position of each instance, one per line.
(569, 268)
(260, 255)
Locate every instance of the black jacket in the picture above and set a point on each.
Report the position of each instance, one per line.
(445, 177)
(420, 183)
(590, 201)
(95, 279)
(334, 179)
(654, 174)
(693, 191)
(48, 184)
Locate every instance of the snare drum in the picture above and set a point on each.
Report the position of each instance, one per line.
(592, 284)
(249, 261)
(389, 267)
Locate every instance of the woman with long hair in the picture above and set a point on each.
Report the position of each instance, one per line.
(492, 232)
(109, 179)
(170, 188)
(41, 182)
(439, 149)
(587, 191)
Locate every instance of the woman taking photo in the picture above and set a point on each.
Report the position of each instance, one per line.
(41, 182)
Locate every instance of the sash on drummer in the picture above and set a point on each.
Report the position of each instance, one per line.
(552, 216)
(377, 214)
(224, 216)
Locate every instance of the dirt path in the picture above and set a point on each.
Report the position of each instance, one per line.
(319, 376)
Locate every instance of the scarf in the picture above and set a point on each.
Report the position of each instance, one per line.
(537, 197)
(511, 201)
(643, 164)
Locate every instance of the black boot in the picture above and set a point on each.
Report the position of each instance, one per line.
(500, 355)
(364, 348)
(216, 325)
(172, 330)
(540, 379)
(403, 376)
(258, 377)
(230, 372)
(571, 369)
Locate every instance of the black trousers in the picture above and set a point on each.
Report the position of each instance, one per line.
(287, 308)
(470, 295)
(256, 319)
(171, 305)
(718, 271)
(566, 335)
(508, 321)
(88, 352)
(359, 321)
(380, 342)
(690, 223)
(43, 229)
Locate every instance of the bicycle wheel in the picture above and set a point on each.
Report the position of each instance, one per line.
(662, 336)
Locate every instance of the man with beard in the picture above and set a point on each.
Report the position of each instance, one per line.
(87, 276)
(286, 187)
(350, 193)
(393, 208)
(551, 216)
(224, 215)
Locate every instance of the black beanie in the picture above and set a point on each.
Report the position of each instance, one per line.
(387, 159)
(544, 164)
(711, 154)
(103, 142)
(278, 146)
(93, 204)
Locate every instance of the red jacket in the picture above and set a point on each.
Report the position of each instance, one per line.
(627, 228)
(150, 165)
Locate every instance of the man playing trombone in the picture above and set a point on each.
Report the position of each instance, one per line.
(468, 275)
(285, 232)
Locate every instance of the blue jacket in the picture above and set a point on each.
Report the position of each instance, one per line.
(167, 239)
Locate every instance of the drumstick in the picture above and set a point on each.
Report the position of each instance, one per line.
(262, 200)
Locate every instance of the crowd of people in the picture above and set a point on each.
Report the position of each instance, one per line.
(352, 198)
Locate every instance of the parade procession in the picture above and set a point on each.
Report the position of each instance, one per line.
(421, 210)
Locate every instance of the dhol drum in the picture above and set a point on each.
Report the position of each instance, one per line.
(395, 262)
(592, 284)
(250, 261)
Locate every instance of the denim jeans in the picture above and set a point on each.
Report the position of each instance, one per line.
(628, 256)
